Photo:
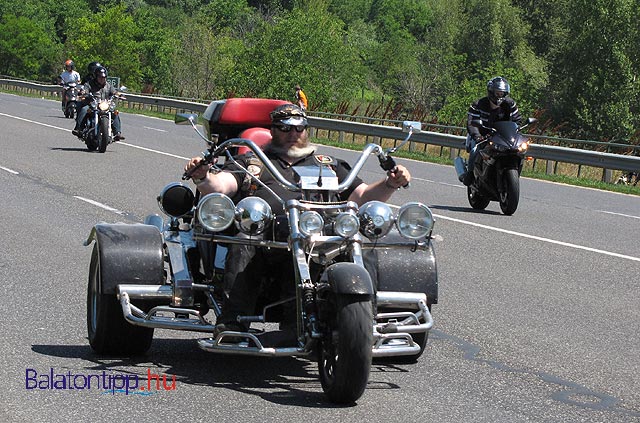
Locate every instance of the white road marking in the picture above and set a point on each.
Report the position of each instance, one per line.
(154, 129)
(102, 206)
(37, 123)
(153, 151)
(538, 238)
(9, 170)
(619, 214)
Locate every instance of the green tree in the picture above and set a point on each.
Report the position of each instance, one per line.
(207, 63)
(595, 69)
(304, 46)
(111, 37)
(26, 49)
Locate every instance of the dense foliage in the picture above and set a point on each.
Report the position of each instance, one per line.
(572, 63)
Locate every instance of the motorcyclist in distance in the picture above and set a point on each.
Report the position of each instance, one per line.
(101, 89)
(69, 75)
(290, 146)
(496, 106)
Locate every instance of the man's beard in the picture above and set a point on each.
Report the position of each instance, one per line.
(293, 152)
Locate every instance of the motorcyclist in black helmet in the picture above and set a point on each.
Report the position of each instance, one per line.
(100, 88)
(496, 106)
(91, 68)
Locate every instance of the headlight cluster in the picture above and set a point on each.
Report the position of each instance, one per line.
(523, 147)
(252, 215)
(414, 220)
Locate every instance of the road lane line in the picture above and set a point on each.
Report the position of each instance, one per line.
(102, 206)
(37, 123)
(538, 238)
(153, 151)
(9, 170)
(619, 214)
(154, 129)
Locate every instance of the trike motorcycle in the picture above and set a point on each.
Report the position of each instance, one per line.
(365, 277)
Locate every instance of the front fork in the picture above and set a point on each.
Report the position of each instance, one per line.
(96, 124)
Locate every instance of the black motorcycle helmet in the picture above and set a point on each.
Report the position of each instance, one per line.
(497, 89)
(98, 72)
(91, 68)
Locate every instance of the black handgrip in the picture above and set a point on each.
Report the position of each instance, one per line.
(207, 158)
(387, 163)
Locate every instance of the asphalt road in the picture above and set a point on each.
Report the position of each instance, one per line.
(537, 321)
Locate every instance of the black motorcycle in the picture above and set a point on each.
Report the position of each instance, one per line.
(498, 166)
(95, 129)
(69, 99)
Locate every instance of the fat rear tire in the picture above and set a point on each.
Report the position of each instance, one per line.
(511, 196)
(108, 332)
(345, 353)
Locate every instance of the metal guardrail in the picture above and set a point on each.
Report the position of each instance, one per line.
(606, 161)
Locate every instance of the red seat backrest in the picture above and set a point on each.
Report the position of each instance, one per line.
(260, 136)
(248, 111)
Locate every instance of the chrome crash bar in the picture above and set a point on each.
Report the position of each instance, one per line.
(392, 337)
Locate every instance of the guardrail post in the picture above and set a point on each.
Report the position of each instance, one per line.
(607, 175)
(550, 167)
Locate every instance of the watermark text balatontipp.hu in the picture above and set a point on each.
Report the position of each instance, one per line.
(103, 382)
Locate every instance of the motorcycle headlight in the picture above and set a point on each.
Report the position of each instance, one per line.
(376, 219)
(523, 147)
(415, 221)
(215, 212)
(346, 225)
(311, 223)
(253, 215)
(176, 199)
(103, 106)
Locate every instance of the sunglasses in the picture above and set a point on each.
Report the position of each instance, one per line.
(287, 128)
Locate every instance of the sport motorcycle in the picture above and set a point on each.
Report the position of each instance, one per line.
(365, 277)
(497, 166)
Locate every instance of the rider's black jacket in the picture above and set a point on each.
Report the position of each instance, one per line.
(102, 92)
(481, 109)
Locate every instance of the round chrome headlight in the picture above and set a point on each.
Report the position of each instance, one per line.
(376, 219)
(103, 105)
(176, 199)
(311, 223)
(346, 225)
(253, 215)
(215, 212)
(415, 221)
